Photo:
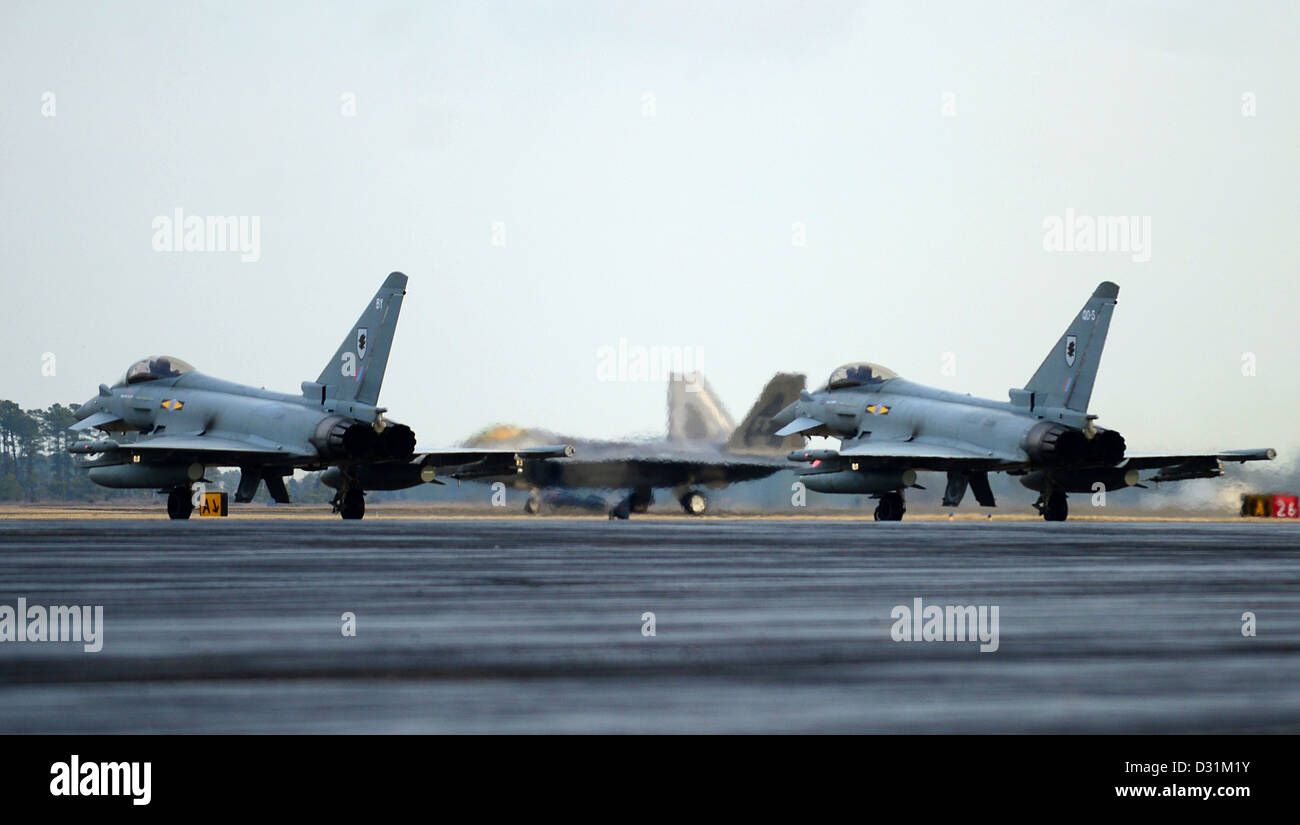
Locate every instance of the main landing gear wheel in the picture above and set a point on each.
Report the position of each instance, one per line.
(641, 499)
(1056, 508)
(694, 502)
(533, 505)
(890, 507)
(179, 504)
(637, 501)
(354, 504)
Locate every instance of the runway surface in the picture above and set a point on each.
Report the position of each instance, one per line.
(761, 626)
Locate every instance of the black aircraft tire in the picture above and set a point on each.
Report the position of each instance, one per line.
(640, 500)
(354, 505)
(179, 506)
(890, 508)
(694, 503)
(1057, 507)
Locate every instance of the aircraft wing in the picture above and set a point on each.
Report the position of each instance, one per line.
(1183, 466)
(462, 463)
(204, 443)
(206, 448)
(923, 455)
(664, 471)
(625, 470)
(912, 455)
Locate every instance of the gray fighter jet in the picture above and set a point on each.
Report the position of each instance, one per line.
(704, 449)
(891, 428)
(163, 424)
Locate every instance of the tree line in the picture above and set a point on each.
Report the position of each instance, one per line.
(34, 463)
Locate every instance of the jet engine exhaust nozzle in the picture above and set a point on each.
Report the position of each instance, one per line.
(340, 437)
(397, 441)
(1057, 445)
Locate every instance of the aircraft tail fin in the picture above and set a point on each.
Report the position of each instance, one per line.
(755, 433)
(356, 371)
(1066, 375)
(695, 413)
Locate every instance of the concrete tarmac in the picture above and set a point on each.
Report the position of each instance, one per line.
(536, 625)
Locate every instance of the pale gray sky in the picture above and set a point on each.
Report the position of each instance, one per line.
(649, 163)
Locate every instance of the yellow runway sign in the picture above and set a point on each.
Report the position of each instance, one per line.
(215, 505)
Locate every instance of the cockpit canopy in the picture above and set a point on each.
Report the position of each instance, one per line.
(862, 373)
(153, 368)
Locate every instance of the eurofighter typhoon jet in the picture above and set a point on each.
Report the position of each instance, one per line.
(891, 428)
(164, 424)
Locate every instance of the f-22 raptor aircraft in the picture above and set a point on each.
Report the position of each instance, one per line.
(704, 449)
(164, 424)
(891, 428)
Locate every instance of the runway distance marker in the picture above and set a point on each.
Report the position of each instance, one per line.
(1286, 506)
(215, 505)
(1270, 505)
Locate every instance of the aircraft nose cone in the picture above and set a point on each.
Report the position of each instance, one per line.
(784, 417)
(86, 410)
